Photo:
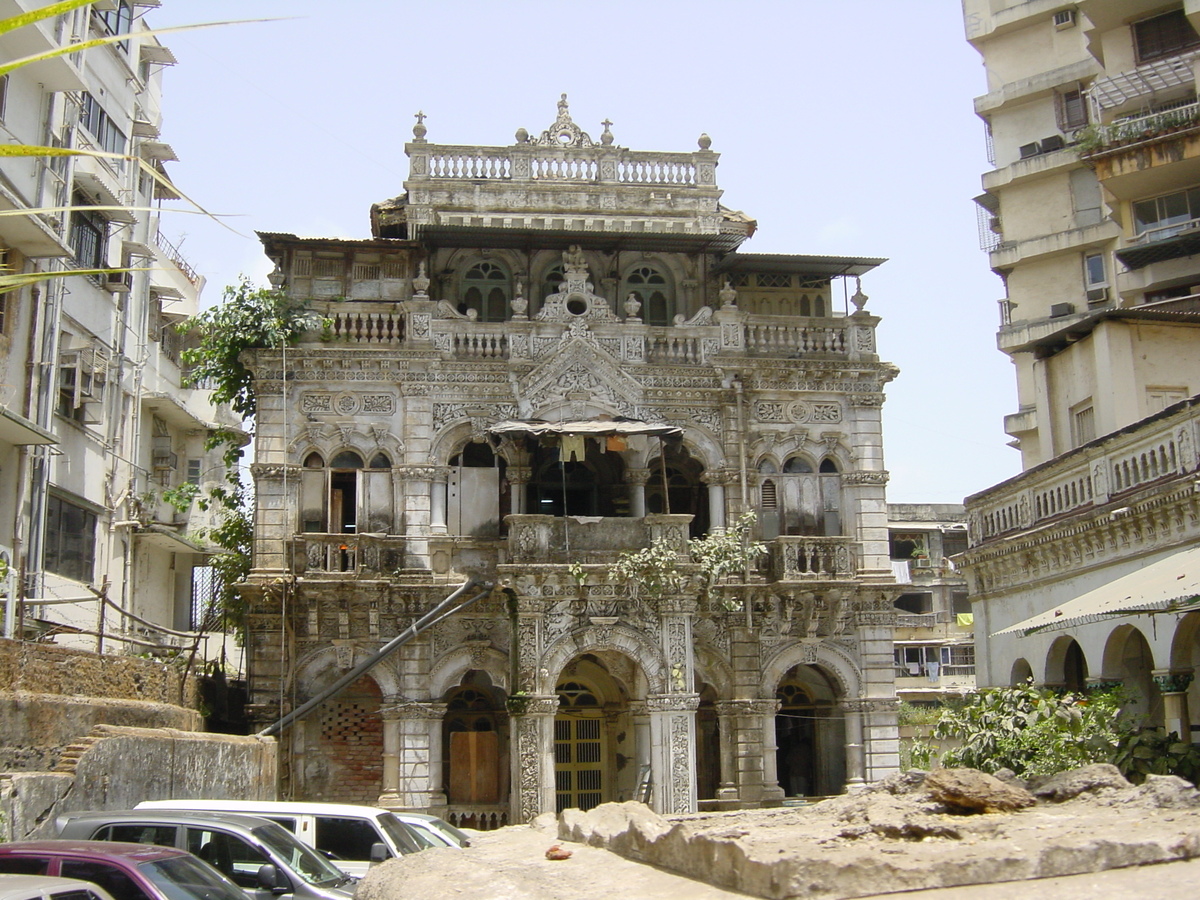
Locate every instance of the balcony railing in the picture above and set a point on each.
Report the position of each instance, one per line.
(171, 252)
(347, 554)
(802, 558)
(541, 163)
(1163, 232)
(1089, 476)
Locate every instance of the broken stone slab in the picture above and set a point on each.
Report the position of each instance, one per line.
(970, 790)
(1159, 792)
(1086, 779)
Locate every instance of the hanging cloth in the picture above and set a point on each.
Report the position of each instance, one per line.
(616, 443)
(573, 448)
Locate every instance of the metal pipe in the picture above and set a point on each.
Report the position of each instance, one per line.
(430, 618)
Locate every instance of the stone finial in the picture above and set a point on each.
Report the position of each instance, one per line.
(519, 303)
(607, 137)
(419, 130)
(632, 306)
(705, 142)
(522, 136)
(728, 295)
(859, 299)
(564, 132)
(421, 282)
(276, 277)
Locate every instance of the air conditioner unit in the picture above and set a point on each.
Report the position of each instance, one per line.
(1058, 310)
(923, 562)
(1064, 18)
(1052, 143)
(1028, 150)
(1097, 295)
(164, 460)
(119, 282)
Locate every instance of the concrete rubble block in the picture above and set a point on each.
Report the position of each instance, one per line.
(889, 816)
(970, 790)
(1160, 792)
(1086, 779)
(626, 828)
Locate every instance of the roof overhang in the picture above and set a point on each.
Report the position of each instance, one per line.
(162, 537)
(1170, 585)
(791, 263)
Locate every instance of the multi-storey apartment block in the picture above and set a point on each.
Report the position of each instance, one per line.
(1093, 123)
(546, 354)
(95, 424)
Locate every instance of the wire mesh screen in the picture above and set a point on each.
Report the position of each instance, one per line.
(206, 591)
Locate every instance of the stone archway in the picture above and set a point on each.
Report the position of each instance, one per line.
(1066, 665)
(475, 752)
(1020, 673)
(342, 761)
(1129, 660)
(810, 734)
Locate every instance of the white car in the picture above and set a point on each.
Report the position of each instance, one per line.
(45, 887)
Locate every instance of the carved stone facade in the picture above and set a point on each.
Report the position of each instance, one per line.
(577, 283)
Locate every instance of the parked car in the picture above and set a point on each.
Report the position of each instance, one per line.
(124, 871)
(43, 887)
(245, 849)
(353, 837)
(439, 829)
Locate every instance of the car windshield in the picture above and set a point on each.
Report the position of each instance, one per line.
(187, 878)
(405, 838)
(459, 837)
(311, 866)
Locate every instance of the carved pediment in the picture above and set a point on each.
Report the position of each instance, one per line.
(580, 367)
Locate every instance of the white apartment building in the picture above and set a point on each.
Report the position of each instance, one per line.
(95, 423)
(1079, 568)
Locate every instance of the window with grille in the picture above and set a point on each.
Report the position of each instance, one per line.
(93, 117)
(1083, 424)
(486, 288)
(89, 235)
(1163, 35)
(70, 539)
(578, 748)
(1072, 110)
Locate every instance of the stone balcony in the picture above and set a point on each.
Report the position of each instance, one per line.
(346, 555)
(422, 324)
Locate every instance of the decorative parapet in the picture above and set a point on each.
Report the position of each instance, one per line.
(558, 540)
(346, 554)
(802, 558)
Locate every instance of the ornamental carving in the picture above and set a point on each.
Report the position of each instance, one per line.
(529, 768)
(873, 478)
(870, 705)
(681, 764)
(747, 707)
(262, 472)
(666, 703)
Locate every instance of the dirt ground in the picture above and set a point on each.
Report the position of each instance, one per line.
(1105, 842)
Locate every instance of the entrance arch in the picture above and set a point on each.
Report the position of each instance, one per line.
(1066, 665)
(1129, 659)
(475, 750)
(810, 735)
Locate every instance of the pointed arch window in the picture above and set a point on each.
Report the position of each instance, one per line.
(652, 287)
(487, 289)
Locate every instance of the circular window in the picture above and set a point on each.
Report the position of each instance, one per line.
(576, 305)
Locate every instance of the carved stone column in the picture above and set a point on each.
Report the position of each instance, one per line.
(772, 794)
(390, 788)
(853, 711)
(418, 742)
(741, 732)
(716, 500)
(673, 752)
(636, 479)
(531, 717)
(277, 491)
(1174, 687)
(518, 478)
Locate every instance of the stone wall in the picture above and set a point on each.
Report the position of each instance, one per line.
(51, 669)
(116, 767)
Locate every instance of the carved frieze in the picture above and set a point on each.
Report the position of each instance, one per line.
(876, 478)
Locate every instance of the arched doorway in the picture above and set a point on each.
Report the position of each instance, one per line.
(573, 486)
(601, 753)
(1066, 666)
(708, 745)
(1129, 659)
(475, 747)
(809, 735)
(1020, 673)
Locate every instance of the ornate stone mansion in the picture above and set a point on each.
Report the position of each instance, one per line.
(548, 353)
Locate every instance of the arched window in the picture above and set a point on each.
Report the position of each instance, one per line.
(344, 496)
(474, 741)
(686, 494)
(653, 289)
(551, 281)
(487, 289)
(808, 499)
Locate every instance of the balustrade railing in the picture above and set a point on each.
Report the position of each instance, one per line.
(367, 327)
(347, 554)
(801, 557)
(1089, 476)
(776, 338)
(544, 163)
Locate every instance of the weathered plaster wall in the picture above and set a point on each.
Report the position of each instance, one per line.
(50, 669)
(116, 767)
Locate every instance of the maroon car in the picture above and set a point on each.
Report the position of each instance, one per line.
(127, 871)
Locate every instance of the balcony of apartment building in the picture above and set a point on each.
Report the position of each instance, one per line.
(1096, 503)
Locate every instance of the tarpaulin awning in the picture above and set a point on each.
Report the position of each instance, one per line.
(597, 427)
(1169, 585)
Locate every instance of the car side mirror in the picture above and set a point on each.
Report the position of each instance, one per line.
(379, 852)
(271, 879)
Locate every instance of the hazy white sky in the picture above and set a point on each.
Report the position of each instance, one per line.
(844, 128)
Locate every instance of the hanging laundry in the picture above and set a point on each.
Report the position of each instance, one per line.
(573, 448)
(616, 443)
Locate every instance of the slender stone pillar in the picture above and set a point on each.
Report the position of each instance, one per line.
(390, 789)
(437, 506)
(853, 711)
(636, 479)
(518, 478)
(716, 506)
(1174, 687)
(727, 723)
(772, 793)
